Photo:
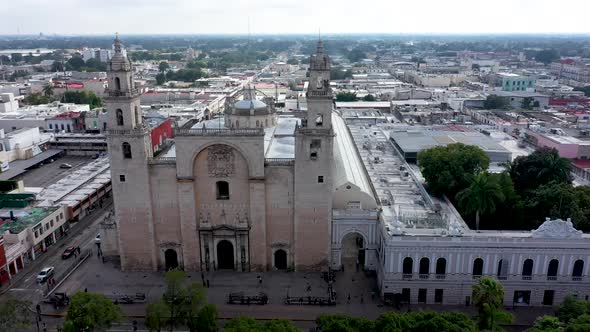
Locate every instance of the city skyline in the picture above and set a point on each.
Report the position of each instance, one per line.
(290, 17)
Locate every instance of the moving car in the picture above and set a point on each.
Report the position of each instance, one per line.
(45, 274)
(69, 252)
(65, 165)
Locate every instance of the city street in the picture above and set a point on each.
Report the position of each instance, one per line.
(82, 234)
(51, 172)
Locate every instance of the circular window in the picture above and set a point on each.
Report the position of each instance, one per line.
(348, 187)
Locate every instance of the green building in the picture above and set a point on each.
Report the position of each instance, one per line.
(515, 82)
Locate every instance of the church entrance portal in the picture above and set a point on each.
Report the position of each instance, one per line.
(225, 255)
(353, 250)
(280, 259)
(171, 259)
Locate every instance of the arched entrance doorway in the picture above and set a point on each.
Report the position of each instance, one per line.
(353, 249)
(225, 255)
(171, 259)
(281, 259)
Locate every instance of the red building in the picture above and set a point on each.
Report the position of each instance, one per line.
(161, 130)
(4, 277)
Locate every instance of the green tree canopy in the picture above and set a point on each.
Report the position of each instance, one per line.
(448, 169)
(89, 311)
(36, 99)
(369, 98)
(546, 324)
(248, 324)
(15, 315)
(481, 197)
(539, 168)
(83, 97)
(346, 96)
(547, 56)
(16, 57)
(93, 65)
(488, 296)
(163, 66)
(75, 63)
(496, 102)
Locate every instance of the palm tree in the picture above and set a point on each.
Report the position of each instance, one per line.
(480, 197)
(554, 168)
(488, 296)
(48, 90)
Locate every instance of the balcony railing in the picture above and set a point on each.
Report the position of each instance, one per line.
(527, 278)
(116, 93)
(502, 277)
(127, 132)
(576, 278)
(162, 161)
(440, 276)
(551, 277)
(476, 276)
(220, 132)
(279, 162)
(407, 276)
(424, 276)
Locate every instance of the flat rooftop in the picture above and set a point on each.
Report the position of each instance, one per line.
(27, 217)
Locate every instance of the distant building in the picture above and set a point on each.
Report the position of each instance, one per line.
(571, 70)
(515, 82)
(8, 103)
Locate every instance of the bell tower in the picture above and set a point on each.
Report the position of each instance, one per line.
(313, 170)
(130, 149)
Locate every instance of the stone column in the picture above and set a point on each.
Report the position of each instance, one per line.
(188, 224)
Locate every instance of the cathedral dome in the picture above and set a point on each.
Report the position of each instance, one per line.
(247, 105)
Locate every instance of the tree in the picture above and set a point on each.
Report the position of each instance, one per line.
(496, 102)
(579, 324)
(293, 61)
(181, 305)
(83, 97)
(481, 197)
(337, 323)
(539, 168)
(16, 57)
(571, 308)
(160, 78)
(346, 96)
(93, 65)
(554, 200)
(488, 296)
(369, 98)
(156, 317)
(15, 315)
(89, 311)
(546, 324)
(448, 169)
(48, 90)
(547, 56)
(75, 63)
(206, 319)
(36, 99)
(163, 67)
(57, 66)
(527, 103)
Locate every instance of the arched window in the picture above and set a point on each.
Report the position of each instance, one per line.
(408, 265)
(578, 270)
(503, 266)
(126, 150)
(117, 84)
(552, 269)
(527, 269)
(477, 267)
(441, 268)
(257, 123)
(222, 190)
(319, 120)
(119, 114)
(424, 267)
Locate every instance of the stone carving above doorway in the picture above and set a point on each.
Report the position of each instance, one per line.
(220, 160)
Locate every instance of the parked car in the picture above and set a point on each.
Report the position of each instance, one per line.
(69, 252)
(45, 274)
(65, 165)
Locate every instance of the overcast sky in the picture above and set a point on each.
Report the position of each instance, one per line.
(293, 16)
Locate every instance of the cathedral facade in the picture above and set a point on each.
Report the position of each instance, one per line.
(253, 192)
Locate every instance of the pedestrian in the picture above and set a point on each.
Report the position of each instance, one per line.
(102, 259)
(75, 254)
(207, 283)
(85, 290)
(260, 280)
(78, 249)
(203, 277)
(44, 327)
(362, 299)
(204, 283)
(348, 301)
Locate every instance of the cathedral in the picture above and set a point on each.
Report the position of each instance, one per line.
(250, 191)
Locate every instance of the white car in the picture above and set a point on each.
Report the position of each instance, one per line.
(45, 274)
